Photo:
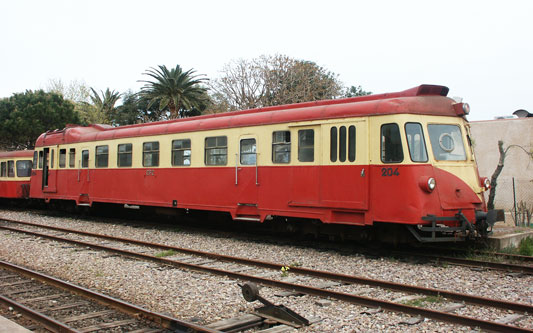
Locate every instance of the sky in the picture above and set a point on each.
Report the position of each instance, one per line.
(481, 50)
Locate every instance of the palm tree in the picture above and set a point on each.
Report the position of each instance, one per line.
(105, 105)
(174, 88)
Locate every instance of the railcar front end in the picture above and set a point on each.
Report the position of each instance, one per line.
(15, 172)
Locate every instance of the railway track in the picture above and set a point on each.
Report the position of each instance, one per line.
(318, 283)
(61, 306)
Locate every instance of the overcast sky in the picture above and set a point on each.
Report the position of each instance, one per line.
(481, 50)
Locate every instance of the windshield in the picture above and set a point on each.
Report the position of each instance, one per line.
(447, 142)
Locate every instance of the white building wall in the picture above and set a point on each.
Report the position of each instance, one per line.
(516, 131)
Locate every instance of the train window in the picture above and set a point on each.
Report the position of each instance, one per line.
(84, 158)
(11, 168)
(333, 144)
(35, 159)
(342, 143)
(41, 159)
(102, 156)
(351, 143)
(151, 154)
(447, 142)
(416, 142)
(391, 144)
(3, 169)
(181, 152)
(248, 152)
(306, 145)
(72, 158)
(62, 158)
(216, 150)
(124, 155)
(281, 147)
(24, 168)
(52, 159)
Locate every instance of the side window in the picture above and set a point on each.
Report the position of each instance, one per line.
(84, 158)
(342, 143)
(248, 152)
(281, 147)
(447, 142)
(391, 144)
(41, 159)
(3, 169)
(124, 155)
(351, 143)
(416, 142)
(333, 144)
(11, 168)
(52, 159)
(216, 150)
(62, 158)
(24, 168)
(151, 154)
(35, 159)
(102, 156)
(181, 152)
(306, 145)
(72, 158)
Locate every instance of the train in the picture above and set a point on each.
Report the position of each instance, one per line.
(375, 166)
(15, 172)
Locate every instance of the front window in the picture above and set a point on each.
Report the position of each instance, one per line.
(24, 168)
(416, 142)
(62, 158)
(85, 159)
(447, 142)
(3, 173)
(391, 144)
(72, 158)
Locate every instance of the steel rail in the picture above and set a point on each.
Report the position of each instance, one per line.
(483, 301)
(470, 262)
(133, 310)
(350, 298)
(49, 323)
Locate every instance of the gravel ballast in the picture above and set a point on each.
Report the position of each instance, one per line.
(204, 298)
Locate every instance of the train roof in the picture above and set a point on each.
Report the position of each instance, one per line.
(423, 100)
(16, 153)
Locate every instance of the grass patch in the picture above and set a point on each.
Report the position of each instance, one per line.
(166, 253)
(526, 247)
(419, 302)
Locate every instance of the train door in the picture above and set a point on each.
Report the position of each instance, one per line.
(247, 178)
(84, 177)
(49, 181)
(305, 172)
(345, 173)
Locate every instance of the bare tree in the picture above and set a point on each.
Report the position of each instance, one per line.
(273, 80)
(493, 180)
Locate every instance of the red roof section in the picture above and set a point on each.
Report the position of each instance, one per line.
(424, 99)
(16, 153)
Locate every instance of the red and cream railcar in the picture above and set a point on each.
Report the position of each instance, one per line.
(399, 158)
(15, 171)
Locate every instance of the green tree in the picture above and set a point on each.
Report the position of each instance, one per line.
(25, 116)
(105, 104)
(179, 91)
(354, 91)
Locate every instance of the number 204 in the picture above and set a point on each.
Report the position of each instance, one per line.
(389, 172)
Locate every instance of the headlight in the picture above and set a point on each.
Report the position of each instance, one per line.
(431, 184)
(427, 184)
(486, 183)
